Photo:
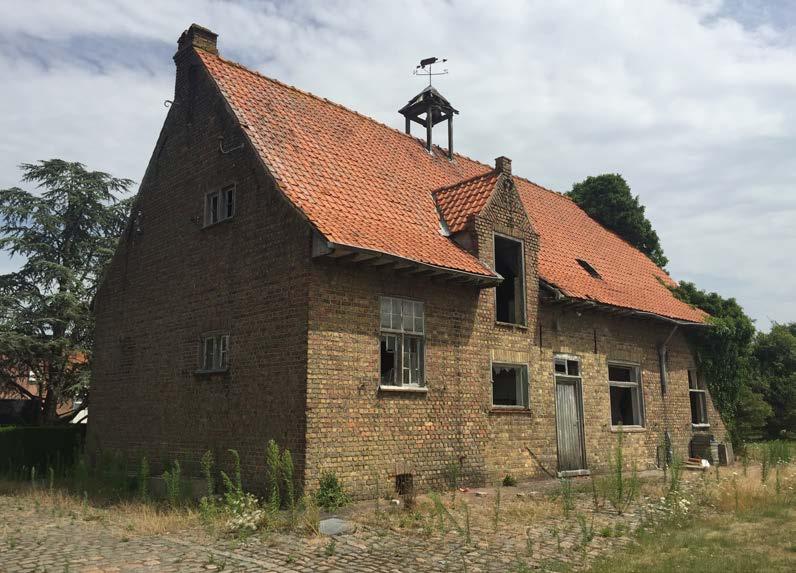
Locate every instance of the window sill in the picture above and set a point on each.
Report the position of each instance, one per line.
(629, 429)
(511, 325)
(207, 373)
(410, 389)
(517, 410)
(217, 223)
(700, 426)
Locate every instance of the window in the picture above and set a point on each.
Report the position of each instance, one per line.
(589, 269)
(624, 382)
(219, 205)
(215, 352)
(402, 342)
(699, 399)
(567, 366)
(510, 385)
(509, 294)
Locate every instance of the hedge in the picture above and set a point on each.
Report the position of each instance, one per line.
(24, 447)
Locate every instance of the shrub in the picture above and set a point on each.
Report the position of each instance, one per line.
(143, 480)
(509, 481)
(330, 494)
(40, 447)
(287, 478)
(272, 463)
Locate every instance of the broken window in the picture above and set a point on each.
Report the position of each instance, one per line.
(509, 294)
(510, 385)
(567, 366)
(220, 205)
(626, 402)
(215, 352)
(699, 399)
(402, 342)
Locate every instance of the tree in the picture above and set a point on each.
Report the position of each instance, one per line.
(774, 359)
(723, 349)
(67, 234)
(608, 200)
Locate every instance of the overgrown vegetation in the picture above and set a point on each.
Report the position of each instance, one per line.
(330, 494)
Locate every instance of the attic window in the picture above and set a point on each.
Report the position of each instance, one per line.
(509, 294)
(589, 269)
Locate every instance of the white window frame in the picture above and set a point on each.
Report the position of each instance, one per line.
(525, 385)
(219, 354)
(524, 293)
(697, 386)
(566, 360)
(637, 384)
(403, 333)
(226, 204)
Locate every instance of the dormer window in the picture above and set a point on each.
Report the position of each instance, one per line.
(219, 205)
(510, 294)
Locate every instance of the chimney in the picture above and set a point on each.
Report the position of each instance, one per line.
(503, 165)
(198, 37)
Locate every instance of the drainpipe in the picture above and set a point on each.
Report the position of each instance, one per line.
(662, 354)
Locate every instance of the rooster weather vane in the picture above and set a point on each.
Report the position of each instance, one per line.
(421, 70)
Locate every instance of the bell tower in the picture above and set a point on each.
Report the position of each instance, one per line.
(429, 107)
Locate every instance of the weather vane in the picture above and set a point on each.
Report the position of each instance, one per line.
(421, 70)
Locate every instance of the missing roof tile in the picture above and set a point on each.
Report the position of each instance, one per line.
(589, 269)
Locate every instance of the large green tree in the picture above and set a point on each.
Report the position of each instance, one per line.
(66, 232)
(723, 350)
(608, 200)
(774, 360)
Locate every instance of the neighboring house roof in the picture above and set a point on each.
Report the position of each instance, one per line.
(365, 185)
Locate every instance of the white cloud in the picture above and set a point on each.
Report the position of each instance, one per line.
(692, 102)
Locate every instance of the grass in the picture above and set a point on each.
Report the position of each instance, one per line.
(744, 525)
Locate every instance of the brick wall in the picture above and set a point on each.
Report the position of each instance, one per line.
(172, 280)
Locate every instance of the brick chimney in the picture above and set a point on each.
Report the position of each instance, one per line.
(503, 165)
(198, 37)
(195, 38)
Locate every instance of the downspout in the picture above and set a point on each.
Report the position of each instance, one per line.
(663, 352)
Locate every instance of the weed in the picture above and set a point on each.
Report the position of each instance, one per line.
(467, 538)
(287, 479)
(272, 464)
(586, 529)
(143, 480)
(509, 481)
(528, 543)
(330, 548)
(330, 494)
(621, 490)
(557, 536)
(51, 479)
(496, 511)
(173, 480)
(566, 494)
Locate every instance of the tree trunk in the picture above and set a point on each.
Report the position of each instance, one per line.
(50, 410)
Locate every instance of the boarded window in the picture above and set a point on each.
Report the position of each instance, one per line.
(509, 294)
(626, 400)
(510, 385)
(402, 342)
(699, 399)
(215, 352)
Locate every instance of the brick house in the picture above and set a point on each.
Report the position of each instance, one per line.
(378, 304)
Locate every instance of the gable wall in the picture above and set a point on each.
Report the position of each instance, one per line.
(174, 280)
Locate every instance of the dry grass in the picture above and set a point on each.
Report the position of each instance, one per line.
(736, 492)
(133, 516)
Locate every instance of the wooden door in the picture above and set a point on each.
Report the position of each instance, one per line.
(569, 426)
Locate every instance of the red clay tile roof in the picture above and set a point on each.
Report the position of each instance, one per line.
(366, 185)
(458, 202)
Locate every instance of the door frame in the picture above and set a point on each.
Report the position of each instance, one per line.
(577, 382)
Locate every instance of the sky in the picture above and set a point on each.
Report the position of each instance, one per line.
(694, 103)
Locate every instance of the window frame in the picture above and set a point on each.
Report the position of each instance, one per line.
(221, 211)
(638, 384)
(701, 388)
(220, 353)
(402, 335)
(524, 289)
(526, 405)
